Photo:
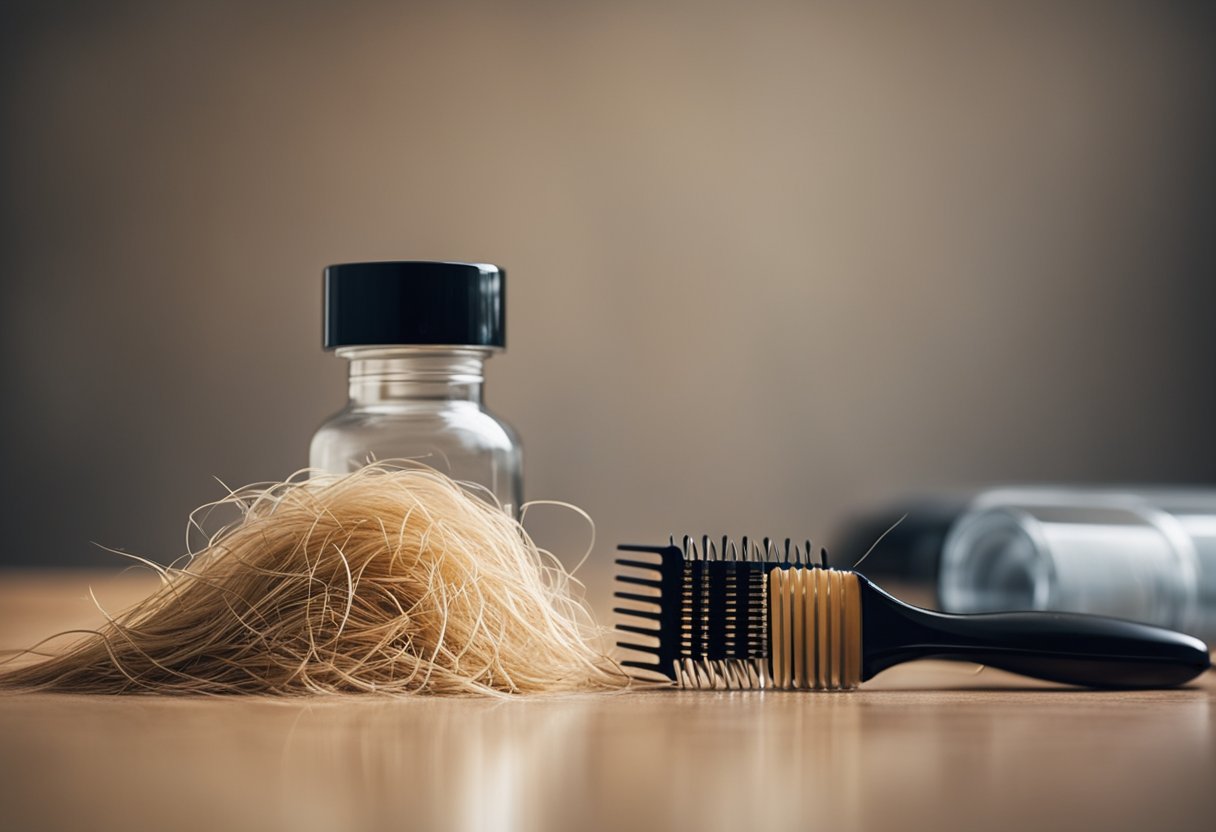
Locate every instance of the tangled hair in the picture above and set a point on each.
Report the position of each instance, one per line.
(389, 580)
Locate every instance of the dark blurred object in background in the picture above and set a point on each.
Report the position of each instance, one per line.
(904, 542)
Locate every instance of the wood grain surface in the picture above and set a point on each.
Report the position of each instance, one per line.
(929, 746)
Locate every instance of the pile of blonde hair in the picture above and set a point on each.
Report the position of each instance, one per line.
(391, 580)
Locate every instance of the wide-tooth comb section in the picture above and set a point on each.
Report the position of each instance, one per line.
(653, 616)
(710, 614)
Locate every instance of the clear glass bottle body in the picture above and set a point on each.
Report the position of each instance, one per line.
(422, 403)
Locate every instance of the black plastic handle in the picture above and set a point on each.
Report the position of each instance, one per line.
(1060, 647)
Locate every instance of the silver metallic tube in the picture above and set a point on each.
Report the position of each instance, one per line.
(1144, 554)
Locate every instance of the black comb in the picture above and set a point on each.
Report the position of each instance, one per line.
(758, 614)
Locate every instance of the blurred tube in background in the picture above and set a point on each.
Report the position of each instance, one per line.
(1146, 554)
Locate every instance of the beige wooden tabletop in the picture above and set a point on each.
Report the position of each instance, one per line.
(929, 746)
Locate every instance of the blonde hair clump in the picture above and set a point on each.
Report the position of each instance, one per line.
(390, 580)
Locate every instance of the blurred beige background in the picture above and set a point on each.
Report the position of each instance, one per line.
(768, 262)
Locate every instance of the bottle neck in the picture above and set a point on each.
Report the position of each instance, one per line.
(385, 375)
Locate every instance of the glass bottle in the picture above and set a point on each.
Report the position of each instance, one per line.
(417, 335)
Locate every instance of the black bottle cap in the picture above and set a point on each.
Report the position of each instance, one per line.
(415, 302)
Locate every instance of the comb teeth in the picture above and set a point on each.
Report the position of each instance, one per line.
(709, 616)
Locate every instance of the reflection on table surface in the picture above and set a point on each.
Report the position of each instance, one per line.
(925, 746)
